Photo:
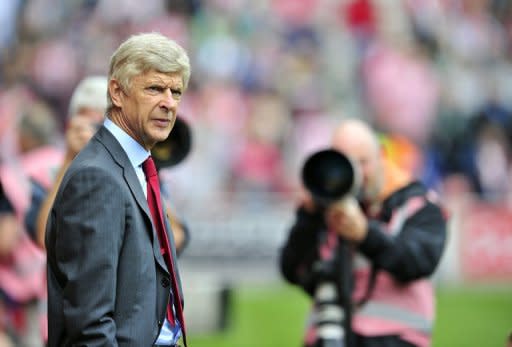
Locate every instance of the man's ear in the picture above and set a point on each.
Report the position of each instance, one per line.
(116, 92)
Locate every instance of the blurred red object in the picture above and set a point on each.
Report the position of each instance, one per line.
(359, 16)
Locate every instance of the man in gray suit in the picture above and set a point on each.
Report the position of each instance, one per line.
(108, 283)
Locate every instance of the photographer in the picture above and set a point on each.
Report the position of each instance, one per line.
(396, 235)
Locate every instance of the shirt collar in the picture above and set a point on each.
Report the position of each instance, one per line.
(136, 153)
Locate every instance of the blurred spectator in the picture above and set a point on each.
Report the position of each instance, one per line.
(402, 90)
(37, 127)
(476, 151)
(21, 269)
(39, 153)
(258, 165)
(493, 156)
(86, 113)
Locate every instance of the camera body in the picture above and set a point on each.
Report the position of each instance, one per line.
(329, 315)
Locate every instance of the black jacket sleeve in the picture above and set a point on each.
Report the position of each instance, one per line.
(415, 251)
(300, 250)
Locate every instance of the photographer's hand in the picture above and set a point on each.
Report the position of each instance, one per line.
(347, 219)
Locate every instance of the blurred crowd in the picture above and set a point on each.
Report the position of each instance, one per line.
(269, 80)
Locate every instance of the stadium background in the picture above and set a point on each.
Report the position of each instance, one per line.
(269, 80)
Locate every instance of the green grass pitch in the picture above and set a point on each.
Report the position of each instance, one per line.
(274, 317)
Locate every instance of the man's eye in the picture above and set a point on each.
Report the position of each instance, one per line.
(176, 93)
(156, 88)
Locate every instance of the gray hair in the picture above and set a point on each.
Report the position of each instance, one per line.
(38, 123)
(91, 93)
(144, 52)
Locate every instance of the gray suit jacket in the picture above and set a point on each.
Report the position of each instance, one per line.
(108, 284)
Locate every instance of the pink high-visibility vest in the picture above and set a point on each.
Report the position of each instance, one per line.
(406, 310)
(392, 308)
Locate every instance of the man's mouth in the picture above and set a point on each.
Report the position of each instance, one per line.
(162, 122)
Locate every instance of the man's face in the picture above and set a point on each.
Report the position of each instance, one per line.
(366, 158)
(81, 128)
(150, 105)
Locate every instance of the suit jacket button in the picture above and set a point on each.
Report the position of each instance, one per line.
(160, 323)
(165, 282)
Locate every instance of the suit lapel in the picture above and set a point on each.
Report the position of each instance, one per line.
(133, 182)
(120, 156)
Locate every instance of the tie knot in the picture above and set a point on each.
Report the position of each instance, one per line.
(149, 168)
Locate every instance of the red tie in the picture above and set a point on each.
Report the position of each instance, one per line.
(155, 207)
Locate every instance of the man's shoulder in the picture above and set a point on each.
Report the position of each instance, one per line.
(413, 188)
(93, 158)
(403, 194)
(93, 154)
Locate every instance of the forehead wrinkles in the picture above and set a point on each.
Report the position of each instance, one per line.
(172, 80)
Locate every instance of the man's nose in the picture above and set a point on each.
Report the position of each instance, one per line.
(169, 101)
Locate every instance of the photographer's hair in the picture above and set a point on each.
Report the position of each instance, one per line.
(144, 52)
(90, 93)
